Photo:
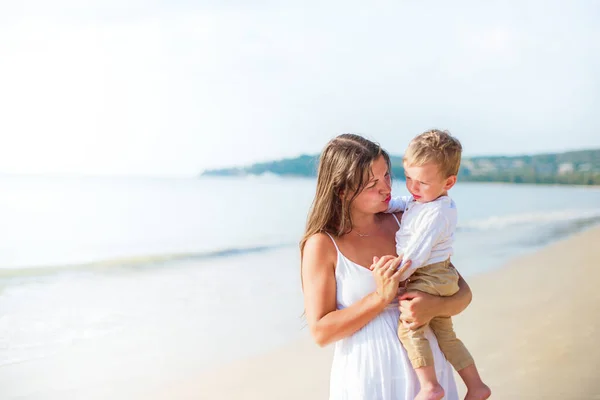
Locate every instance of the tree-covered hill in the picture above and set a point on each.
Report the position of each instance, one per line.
(573, 167)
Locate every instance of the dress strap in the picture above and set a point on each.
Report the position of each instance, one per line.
(334, 243)
(396, 218)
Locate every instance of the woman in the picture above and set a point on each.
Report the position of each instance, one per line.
(350, 294)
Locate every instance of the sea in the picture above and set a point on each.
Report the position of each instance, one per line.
(141, 282)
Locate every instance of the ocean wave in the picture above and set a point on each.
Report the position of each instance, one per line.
(148, 260)
(514, 220)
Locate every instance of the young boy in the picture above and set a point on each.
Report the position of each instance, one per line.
(425, 237)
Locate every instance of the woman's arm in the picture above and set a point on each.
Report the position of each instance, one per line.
(326, 323)
(418, 308)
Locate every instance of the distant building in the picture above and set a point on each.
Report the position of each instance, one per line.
(467, 164)
(466, 167)
(518, 164)
(484, 166)
(566, 168)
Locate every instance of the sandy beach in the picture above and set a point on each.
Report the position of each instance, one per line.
(532, 328)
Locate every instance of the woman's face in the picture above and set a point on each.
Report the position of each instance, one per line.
(375, 196)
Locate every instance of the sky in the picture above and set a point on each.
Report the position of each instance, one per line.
(120, 87)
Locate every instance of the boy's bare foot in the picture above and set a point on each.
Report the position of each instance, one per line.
(478, 393)
(476, 389)
(433, 392)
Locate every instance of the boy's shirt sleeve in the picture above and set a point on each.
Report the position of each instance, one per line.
(398, 204)
(432, 225)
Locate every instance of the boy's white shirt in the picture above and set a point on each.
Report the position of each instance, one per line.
(426, 233)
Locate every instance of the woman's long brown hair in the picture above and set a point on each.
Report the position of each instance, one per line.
(344, 168)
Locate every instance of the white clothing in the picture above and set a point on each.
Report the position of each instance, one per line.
(371, 364)
(426, 234)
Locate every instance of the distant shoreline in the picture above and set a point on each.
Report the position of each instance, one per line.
(461, 180)
(569, 168)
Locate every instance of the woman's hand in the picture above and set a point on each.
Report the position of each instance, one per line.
(387, 276)
(418, 308)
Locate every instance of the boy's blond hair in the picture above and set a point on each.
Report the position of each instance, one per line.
(435, 146)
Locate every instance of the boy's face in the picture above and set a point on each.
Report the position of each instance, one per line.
(426, 183)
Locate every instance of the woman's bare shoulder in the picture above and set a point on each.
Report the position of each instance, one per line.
(319, 250)
(320, 244)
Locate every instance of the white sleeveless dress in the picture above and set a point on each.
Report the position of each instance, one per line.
(372, 364)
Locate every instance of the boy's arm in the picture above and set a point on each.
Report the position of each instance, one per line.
(397, 204)
(431, 227)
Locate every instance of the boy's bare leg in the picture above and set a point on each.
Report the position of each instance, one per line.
(476, 389)
(430, 387)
